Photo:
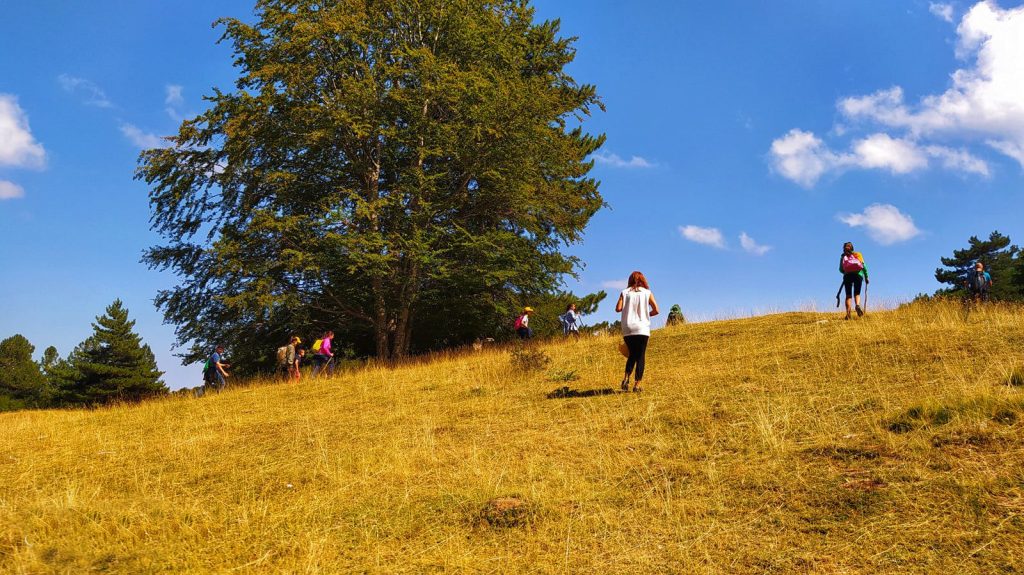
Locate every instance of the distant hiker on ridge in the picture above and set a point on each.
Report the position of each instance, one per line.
(570, 321)
(851, 265)
(637, 305)
(522, 325)
(978, 283)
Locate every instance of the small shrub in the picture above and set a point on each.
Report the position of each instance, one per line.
(529, 360)
(506, 513)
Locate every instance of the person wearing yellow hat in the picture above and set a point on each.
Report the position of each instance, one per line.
(522, 325)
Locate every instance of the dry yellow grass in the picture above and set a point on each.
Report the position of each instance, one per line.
(769, 444)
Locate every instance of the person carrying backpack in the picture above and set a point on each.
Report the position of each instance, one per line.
(216, 370)
(322, 356)
(570, 321)
(522, 324)
(855, 273)
(286, 359)
(978, 283)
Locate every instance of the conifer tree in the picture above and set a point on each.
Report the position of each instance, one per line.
(999, 258)
(21, 382)
(111, 365)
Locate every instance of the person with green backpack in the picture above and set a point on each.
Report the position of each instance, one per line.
(855, 274)
(215, 370)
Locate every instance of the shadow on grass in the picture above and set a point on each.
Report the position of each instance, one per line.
(563, 392)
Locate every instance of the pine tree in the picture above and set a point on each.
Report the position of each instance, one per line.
(21, 382)
(111, 365)
(999, 258)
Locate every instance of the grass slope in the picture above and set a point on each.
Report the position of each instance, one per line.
(773, 444)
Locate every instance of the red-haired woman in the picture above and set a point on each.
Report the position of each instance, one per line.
(637, 305)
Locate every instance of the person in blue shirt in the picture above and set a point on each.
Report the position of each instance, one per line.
(217, 368)
(978, 283)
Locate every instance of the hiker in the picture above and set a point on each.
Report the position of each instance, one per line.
(323, 359)
(637, 305)
(978, 283)
(522, 325)
(286, 359)
(675, 316)
(216, 370)
(851, 265)
(570, 322)
(300, 354)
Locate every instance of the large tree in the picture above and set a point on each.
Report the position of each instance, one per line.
(111, 365)
(999, 258)
(22, 384)
(376, 162)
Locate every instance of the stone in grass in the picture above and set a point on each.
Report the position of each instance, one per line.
(506, 512)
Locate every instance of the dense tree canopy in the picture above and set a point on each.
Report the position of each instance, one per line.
(403, 172)
(22, 384)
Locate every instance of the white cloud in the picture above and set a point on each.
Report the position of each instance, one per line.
(983, 105)
(802, 157)
(173, 101)
(752, 247)
(884, 223)
(142, 139)
(174, 97)
(942, 10)
(615, 161)
(614, 284)
(10, 191)
(707, 236)
(18, 148)
(94, 95)
(959, 160)
(884, 152)
(986, 99)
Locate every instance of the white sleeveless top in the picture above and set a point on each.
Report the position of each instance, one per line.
(636, 311)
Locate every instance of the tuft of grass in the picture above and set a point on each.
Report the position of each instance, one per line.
(759, 445)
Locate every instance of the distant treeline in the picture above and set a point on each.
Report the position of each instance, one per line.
(112, 365)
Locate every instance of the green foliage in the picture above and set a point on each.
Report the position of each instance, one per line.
(21, 381)
(402, 173)
(111, 365)
(1001, 262)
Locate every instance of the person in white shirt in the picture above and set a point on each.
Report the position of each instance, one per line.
(637, 305)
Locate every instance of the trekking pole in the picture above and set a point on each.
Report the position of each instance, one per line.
(839, 292)
(866, 284)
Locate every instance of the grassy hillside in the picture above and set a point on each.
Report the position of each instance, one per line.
(782, 443)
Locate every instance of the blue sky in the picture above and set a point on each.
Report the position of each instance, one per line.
(798, 126)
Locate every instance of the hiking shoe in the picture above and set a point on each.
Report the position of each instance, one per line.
(860, 312)
(637, 388)
(625, 385)
(847, 315)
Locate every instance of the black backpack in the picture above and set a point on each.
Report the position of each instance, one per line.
(976, 282)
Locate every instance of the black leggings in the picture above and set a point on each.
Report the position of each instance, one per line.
(637, 345)
(852, 282)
